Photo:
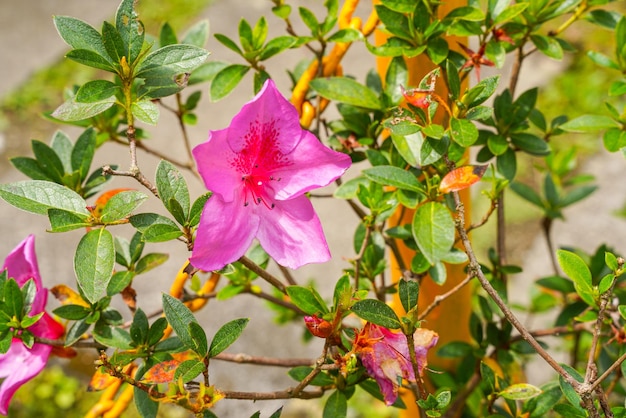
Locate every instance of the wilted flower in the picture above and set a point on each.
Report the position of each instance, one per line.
(476, 59)
(259, 169)
(319, 327)
(385, 355)
(20, 363)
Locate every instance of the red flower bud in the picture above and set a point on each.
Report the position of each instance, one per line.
(318, 326)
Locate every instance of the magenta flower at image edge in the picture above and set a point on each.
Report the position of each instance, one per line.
(385, 356)
(259, 169)
(20, 364)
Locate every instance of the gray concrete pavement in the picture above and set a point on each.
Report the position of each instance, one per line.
(28, 41)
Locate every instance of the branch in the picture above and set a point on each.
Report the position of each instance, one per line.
(264, 274)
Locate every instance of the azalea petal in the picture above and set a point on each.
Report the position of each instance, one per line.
(21, 264)
(313, 165)
(213, 159)
(267, 107)
(292, 234)
(47, 327)
(225, 232)
(30, 361)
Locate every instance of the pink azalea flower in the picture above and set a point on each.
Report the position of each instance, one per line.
(20, 364)
(385, 355)
(259, 169)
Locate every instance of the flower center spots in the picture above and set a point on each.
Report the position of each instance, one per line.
(257, 160)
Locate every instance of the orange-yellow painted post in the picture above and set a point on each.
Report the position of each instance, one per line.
(449, 319)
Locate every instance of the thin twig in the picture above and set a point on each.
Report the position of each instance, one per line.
(264, 274)
(440, 298)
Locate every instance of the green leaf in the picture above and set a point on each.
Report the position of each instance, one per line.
(189, 370)
(548, 45)
(80, 35)
(76, 332)
(113, 43)
(146, 111)
(146, 406)
(13, 299)
(576, 269)
(348, 190)
(408, 291)
(376, 312)
(531, 144)
(112, 336)
(150, 261)
(37, 196)
(72, 111)
(227, 335)
(198, 34)
(346, 90)
(520, 392)
(196, 209)
(509, 13)
(388, 175)
(298, 374)
(171, 60)
(226, 80)
(63, 221)
(307, 299)
(48, 160)
(433, 230)
(121, 205)
(155, 228)
(31, 168)
(93, 263)
(179, 316)
(409, 146)
(119, 281)
(171, 185)
(72, 312)
(589, 123)
(167, 35)
(276, 46)
(83, 152)
(198, 338)
(336, 406)
(527, 193)
(463, 132)
(96, 91)
(130, 29)
(570, 393)
(90, 59)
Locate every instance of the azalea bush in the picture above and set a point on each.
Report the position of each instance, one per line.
(400, 150)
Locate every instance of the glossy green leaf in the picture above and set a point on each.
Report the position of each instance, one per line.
(276, 46)
(171, 185)
(71, 110)
(38, 196)
(145, 111)
(121, 205)
(463, 132)
(48, 160)
(150, 261)
(198, 34)
(346, 90)
(155, 227)
(188, 370)
(196, 209)
(307, 299)
(227, 335)
(589, 123)
(376, 312)
(226, 80)
(520, 391)
(95, 91)
(90, 59)
(63, 221)
(198, 339)
(336, 406)
(83, 152)
(130, 29)
(172, 60)
(433, 230)
(298, 374)
(79, 34)
(179, 316)
(93, 263)
(576, 269)
(119, 281)
(388, 175)
(408, 291)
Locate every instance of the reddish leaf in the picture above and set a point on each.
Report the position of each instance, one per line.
(461, 178)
